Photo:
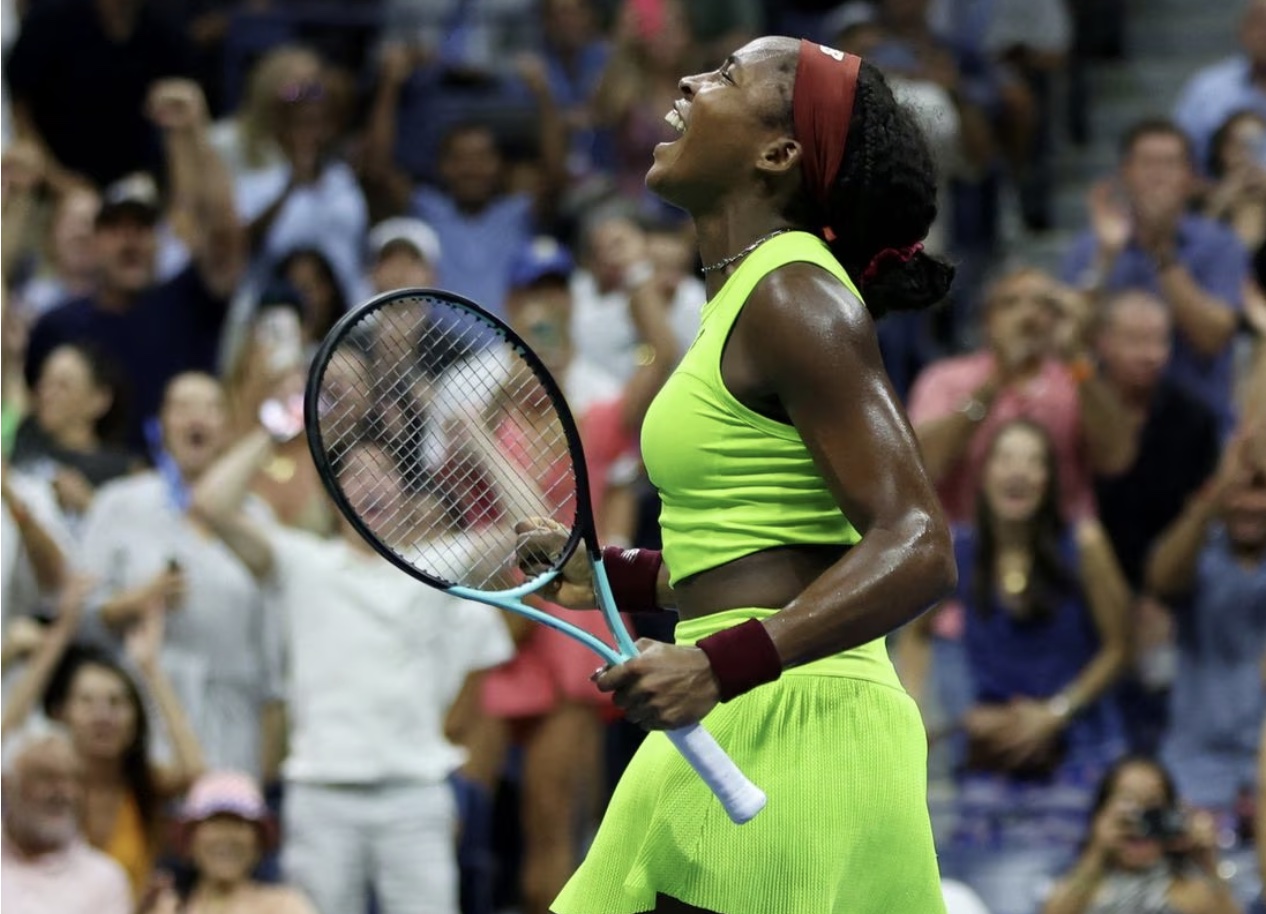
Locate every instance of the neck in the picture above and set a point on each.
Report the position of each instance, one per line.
(77, 437)
(1249, 556)
(472, 207)
(112, 299)
(1137, 400)
(30, 849)
(1010, 534)
(99, 772)
(216, 889)
(729, 230)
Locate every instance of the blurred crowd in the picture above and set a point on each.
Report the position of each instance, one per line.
(218, 698)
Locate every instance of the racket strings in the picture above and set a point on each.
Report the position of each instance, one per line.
(442, 436)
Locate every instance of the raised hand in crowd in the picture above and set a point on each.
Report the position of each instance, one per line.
(1172, 567)
(48, 562)
(165, 590)
(177, 104)
(1110, 220)
(21, 174)
(47, 649)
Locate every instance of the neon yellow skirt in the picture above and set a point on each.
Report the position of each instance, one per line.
(840, 750)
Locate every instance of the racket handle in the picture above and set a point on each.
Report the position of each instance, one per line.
(741, 798)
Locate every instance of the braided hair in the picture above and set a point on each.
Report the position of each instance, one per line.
(882, 204)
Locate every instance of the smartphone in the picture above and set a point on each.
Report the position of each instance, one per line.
(279, 333)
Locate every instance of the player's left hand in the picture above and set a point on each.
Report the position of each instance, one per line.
(665, 687)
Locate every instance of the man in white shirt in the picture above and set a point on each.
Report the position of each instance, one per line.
(45, 866)
(375, 660)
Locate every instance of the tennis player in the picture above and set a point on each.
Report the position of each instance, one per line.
(799, 527)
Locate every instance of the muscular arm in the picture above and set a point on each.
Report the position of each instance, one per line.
(822, 365)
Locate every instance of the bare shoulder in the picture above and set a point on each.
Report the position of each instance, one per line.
(801, 303)
(282, 899)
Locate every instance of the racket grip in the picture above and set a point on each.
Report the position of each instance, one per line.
(741, 798)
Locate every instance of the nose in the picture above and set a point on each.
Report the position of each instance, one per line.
(688, 86)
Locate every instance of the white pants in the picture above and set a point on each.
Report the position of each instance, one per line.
(399, 838)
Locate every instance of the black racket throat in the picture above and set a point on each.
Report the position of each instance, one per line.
(435, 427)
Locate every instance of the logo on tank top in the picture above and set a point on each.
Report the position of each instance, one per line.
(831, 52)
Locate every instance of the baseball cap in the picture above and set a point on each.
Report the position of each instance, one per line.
(413, 232)
(227, 793)
(136, 196)
(542, 257)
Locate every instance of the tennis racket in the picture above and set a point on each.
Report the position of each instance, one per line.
(435, 427)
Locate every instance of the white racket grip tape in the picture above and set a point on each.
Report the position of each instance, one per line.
(741, 798)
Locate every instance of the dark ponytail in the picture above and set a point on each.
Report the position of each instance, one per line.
(884, 200)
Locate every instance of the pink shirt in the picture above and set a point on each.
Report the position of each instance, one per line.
(78, 880)
(1049, 399)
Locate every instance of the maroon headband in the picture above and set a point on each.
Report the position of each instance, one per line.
(822, 107)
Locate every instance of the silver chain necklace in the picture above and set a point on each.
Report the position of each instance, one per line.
(712, 268)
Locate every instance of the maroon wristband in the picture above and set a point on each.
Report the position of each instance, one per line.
(742, 658)
(634, 578)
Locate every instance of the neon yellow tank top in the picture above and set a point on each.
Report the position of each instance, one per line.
(734, 482)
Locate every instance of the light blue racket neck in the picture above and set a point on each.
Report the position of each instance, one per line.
(511, 600)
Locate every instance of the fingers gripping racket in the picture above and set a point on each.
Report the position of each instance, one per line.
(435, 427)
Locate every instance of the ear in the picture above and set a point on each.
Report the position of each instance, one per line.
(779, 156)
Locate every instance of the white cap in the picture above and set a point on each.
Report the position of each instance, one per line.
(413, 232)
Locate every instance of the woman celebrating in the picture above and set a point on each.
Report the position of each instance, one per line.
(76, 425)
(1045, 636)
(799, 527)
(100, 703)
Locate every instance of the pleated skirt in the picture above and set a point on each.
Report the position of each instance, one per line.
(839, 749)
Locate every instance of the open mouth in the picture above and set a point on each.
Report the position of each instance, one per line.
(675, 121)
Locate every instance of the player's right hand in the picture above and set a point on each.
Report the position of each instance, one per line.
(540, 540)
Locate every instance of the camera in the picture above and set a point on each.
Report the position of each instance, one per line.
(1159, 823)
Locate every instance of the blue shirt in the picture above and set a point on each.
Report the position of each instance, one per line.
(1010, 657)
(1216, 704)
(170, 328)
(1219, 264)
(477, 249)
(1211, 96)
(573, 87)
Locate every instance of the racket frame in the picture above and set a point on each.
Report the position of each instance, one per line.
(742, 799)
